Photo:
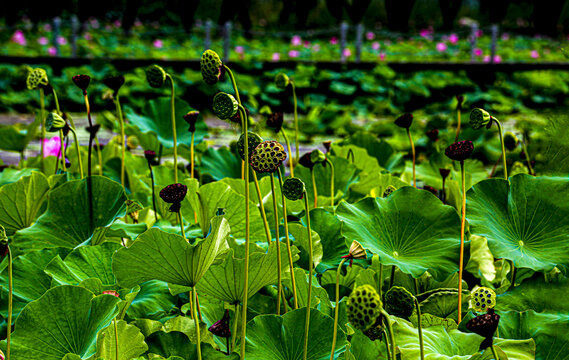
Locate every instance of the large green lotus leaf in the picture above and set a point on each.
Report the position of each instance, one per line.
(381, 150)
(66, 319)
(220, 163)
(16, 137)
(319, 296)
(156, 118)
(442, 344)
(176, 345)
(373, 184)
(362, 160)
(131, 342)
(481, 262)
(226, 280)
(83, 263)
(186, 325)
(157, 255)
(67, 221)
(20, 202)
(299, 237)
(10, 175)
(333, 242)
(282, 337)
(411, 229)
(362, 348)
(524, 220)
(536, 294)
(154, 301)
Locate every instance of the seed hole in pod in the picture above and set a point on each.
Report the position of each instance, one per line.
(477, 304)
(489, 295)
(483, 306)
(366, 318)
(372, 305)
(489, 301)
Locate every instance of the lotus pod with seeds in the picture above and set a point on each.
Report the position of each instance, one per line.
(54, 122)
(399, 302)
(364, 307)
(82, 81)
(317, 156)
(293, 189)
(483, 299)
(281, 81)
(267, 157)
(253, 139)
(225, 106)
(114, 82)
(511, 141)
(484, 325)
(460, 151)
(36, 79)
(210, 66)
(404, 121)
(479, 118)
(156, 76)
(388, 190)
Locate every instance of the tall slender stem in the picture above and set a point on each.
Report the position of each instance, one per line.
(332, 193)
(386, 343)
(153, 192)
(413, 153)
(296, 143)
(233, 82)
(262, 207)
(525, 149)
(513, 271)
(192, 164)
(288, 247)
(276, 214)
(234, 332)
(62, 151)
(173, 112)
(314, 187)
(503, 148)
(10, 294)
(418, 309)
(123, 140)
(462, 225)
(55, 99)
(116, 338)
(494, 353)
(387, 320)
(77, 150)
(42, 124)
(289, 152)
(337, 307)
(309, 295)
(380, 281)
(197, 322)
(457, 126)
(91, 135)
(181, 221)
(444, 193)
(100, 156)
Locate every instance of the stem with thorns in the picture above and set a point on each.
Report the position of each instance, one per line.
(337, 307)
(413, 152)
(297, 153)
(173, 111)
(276, 214)
(77, 149)
(289, 152)
(263, 213)
(287, 237)
(462, 226)
(310, 265)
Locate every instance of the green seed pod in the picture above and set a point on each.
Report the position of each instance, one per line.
(267, 156)
(156, 76)
(479, 118)
(317, 156)
(399, 302)
(36, 79)
(282, 81)
(293, 189)
(388, 190)
(518, 168)
(210, 65)
(253, 140)
(54, 122)
(511, 141)
(483, 299)
(364, 307)
(225, 106)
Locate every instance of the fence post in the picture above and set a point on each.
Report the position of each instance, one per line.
(226, 40)
(343, 37)
(359, 41)
(207, 43)
(74, 31)
(494, 29)
(473, 31)
(56, 32)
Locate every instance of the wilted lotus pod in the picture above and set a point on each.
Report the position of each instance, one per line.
(306, 161)
(174, 194)
(518, 168)
(511, 141)
(444, 172)
(399, 302)
(433, 134)
(210, 66)
(275, 121)
(293, 189)
(54, 122)
(327, 145)
(253, 139)
(267, 157)
(317, 156)
(483, 299)
(225, 106)
(479, 118)
(281, 81)
(221, 328)
(357, 251)
(364, 307)
(404, 121)
(150, 156)
(156, 76)
(459, 102)
(460, 151)
(82, 81)
(36, 79)
(388, 190)
(191, 118)
(484, 325)
(114, 82)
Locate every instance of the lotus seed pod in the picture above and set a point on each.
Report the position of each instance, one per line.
(275, 121)
(444, 172)
(364, 307)
(483, 299)
(518, 168)
(132, 142)
(114, 82)
(36, 79)
(459, 102)
(479, 118)
(317, 156)
(327, 145)
(174, 194)
(357, 250)
(156, 76)
(191, 118)
(460, 150)
(484, 325)
(82, 81)
(388, 190)
(511, 141)
(221, 328)
(293, 189)
(404, 121)
(399, 302)
(225, 106)
(150, 156)
(305, 161)
(267, 157)
(253, 140)
(282, 81)
(54, 122)
(210, 66)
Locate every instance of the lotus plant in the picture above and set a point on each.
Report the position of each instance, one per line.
(191, 118)
(54, 122)
(5, 251)
(275, 122)
(282, 81)
(174, 194)
(480, 118)
(444, 174)
(115, 82)
(461, 151)
(151, 160)
(82, 82)
(37, 79)
(404, 121)
(459, 102)
(485, 325)
(306, 161)
(318, 157)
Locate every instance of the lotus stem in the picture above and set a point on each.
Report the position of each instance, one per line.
(386, 343)
(494, 353)
(332, 193)
(10, 295)
(78, 152)
(22, 159)
(100, 156)
(387, 320)
(42, 124)
(173, 110)
(337, 307)
(413, 153)
(380, 281)
(392, 279)
(296, 143)
(458, 125)
(287, 237)
(181, 220)
(444, 193)
(503, 149)
(524, 148)
(309, 296)
(232, 78)
(276, 212)
(196, 321)
(263, 213)
(314, 187)
(116, 338)
(91, 135)
(289, 152)
(513, 282)
(123, 140)
(62, 151)
(55, 100)
(153, 192)
(234, 332)
(192, 164)
(462, 225)
(418, 309)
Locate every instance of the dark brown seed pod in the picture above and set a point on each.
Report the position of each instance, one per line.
(174, 194)
(460, 151)
(82, 82)
(114, 82)
(404, 121)
(221, 327)
(444, 172)
(275, 121)
(305, 161)
(191, 118)
(484, 325)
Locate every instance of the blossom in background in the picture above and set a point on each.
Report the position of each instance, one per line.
(117, 23)
(497, 59)
(370, 35)
(347, 52)
(505, 36)
(276, 57)
(306, 44)
(94, 23)
(534, 54)
(479, 33)
(427, 33)
(239, 49)
(453, 38)
(51, 146)
(47, 27)
(158, 43)
(441, 47)
(478, 52)
(375, 45)
(43, 40)
(88, 36)
(293, 53)
(61, 40)
(296, 40)
(334, 40)
(316, 48)
(19, 38)
(137, 23)
(52, 51)
(382, 56)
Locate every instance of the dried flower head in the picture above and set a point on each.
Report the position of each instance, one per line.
(191, 118)
(225, 106)
(221, 327)
(156, 76)
(444, 173)
(210, 66)
(174, 194)
(114, 82)
(305, 161)
(327, 145)
(82, 82)
(364, 307)
(484, 325)
(511, 141)
(459, 102)
(267, 156)
(293, 189)
(36, 78)
(460, 151)
(404, 121)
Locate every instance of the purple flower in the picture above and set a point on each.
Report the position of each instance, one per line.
(276, 57)
(51, 146)
(333, 40)
(94, 23)
(43, 40)
(479, 33)
(478, 52)
(296, 40)
(88, 36)
(375, 45)
(19, 38)
(370, 35)
(117, 23)
(497, 59)
(293, 53)
(441, 47)
(52, 51)
(453, 38)
(239, 49)
(505, 36)
(382, 56)
(534, 54)
(158, 43)
(347, 52)
(61, 40)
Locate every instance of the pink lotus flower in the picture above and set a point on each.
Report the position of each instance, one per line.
(276, 57)
(43, 40)
(497, 59)
(117, 23)
(479, 33)
(52, 51)
(51, 146)
(158, 43)
(239, 49)
(453, 38)
(441, 47)
(534, 54)
(382, 56)
(478, 52)
(88, 36)
(19, 38)
(375, 45)
(296, 40)
(370, 35)
(61, 40)
(306, 44)
(293, 53)
(333, 40)
(426, 33)
(94, 23)
(347, 52)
